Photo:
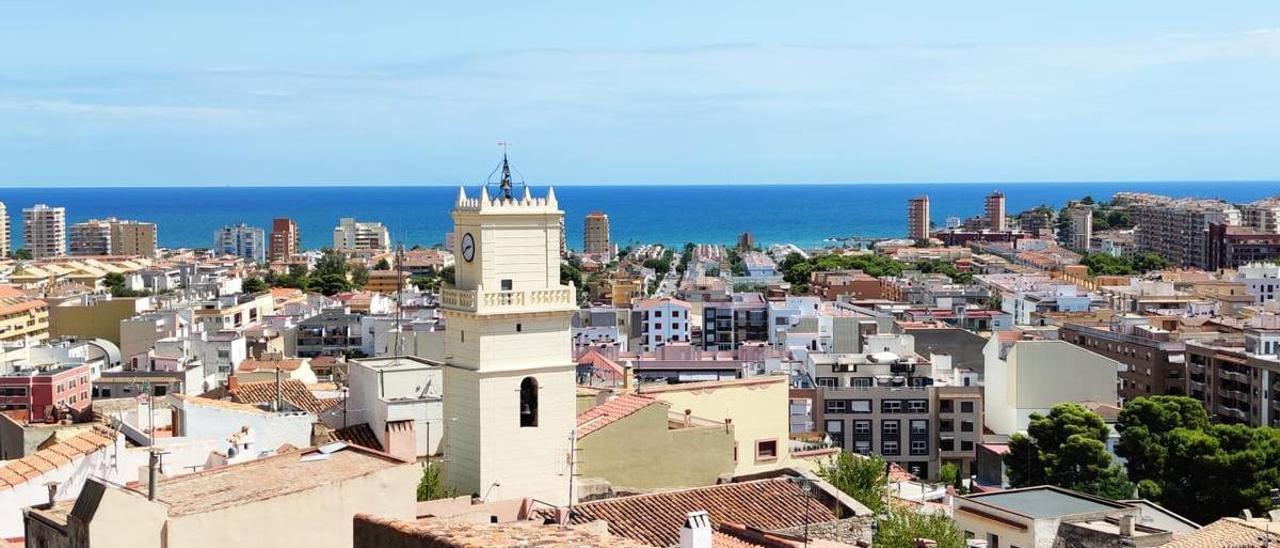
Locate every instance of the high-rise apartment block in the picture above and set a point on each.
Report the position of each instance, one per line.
(1178, 229)
(993, 207)
(1080, 227)
(596, 234)
(918, 218)
(4, 230)
(92, 237)
(113, 237)
(45, 230)
(244, 241)
(133, 238)
(1263, 215)
(285, 241)
(351, 235)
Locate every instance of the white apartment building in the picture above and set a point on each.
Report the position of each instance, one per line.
(4, 230)
(45, 231)
(1262, 280)
(663, 320)
(244, 241)
(1081, 227)
(351, 235)
(1025, 376)
(395, 390)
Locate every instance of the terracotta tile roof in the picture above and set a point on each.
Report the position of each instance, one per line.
(285, 364)
(358, 434)
(606, 413)
(17, 472)
(294, 392)
(450, 533)
(266, 478)
(656, 519)
(599, 361)
(1226, 533)
(14, 305)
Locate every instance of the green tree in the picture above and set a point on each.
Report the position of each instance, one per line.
(331, 262)
(860, 477)
(1067, 448)
(949, 474)
(21, 254)
(447, 274)
(1145, 425)
(330, 284)
(113, 280)
(570, 273)
(900, 527)
(431, 486)
(359, 275)
(254, 285)
(383, 264)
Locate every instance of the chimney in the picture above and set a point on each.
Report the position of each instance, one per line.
(233, 384)
(628, 377)
(688, 418)
(696, 532)
(1126, 525)
(400, 440)
(279, 393)
(153, 463)
(53, 491)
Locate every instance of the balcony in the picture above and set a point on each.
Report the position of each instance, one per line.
(1233, 376)
(1232, 412)
(1233, 394)
(480, 301)
(1196, 368)
(1196, 385)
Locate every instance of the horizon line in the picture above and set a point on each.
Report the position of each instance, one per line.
(452, 185)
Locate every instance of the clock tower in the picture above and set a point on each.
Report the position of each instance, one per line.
(509, 380)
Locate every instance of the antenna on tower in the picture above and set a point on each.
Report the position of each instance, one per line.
(505, 181)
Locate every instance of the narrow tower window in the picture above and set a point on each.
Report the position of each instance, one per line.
(528, 402)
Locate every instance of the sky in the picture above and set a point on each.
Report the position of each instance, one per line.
(663, 92)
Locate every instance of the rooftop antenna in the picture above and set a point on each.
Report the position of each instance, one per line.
(505, 182)
(399, 299)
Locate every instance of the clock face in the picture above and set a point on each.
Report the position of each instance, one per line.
(468, 247)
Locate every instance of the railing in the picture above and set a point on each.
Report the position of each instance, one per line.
(1232, 375)
(480, 301)
(1232, 412)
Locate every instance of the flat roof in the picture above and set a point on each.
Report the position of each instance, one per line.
(1044, 502)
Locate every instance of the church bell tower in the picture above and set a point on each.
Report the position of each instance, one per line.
(509, 380)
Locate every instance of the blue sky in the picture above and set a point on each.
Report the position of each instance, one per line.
(260, 93)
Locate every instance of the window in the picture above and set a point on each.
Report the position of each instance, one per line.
(918, 406)
(519, 328)
(919, 448)
(889, 427)
(889, 447)
(835, 429)
(657, 313)
(946, 425)
(891, 406)
(966, 407)
(946, 406)
(860, 382)
(966, 426)
(529, 402)
(966, 445)
(859, 406)
(506, 285)
(862, 427)
(993, 540)
(837, 406)
(657, 325)
(766, 450)
(862, 447)
(919, 427)
(947, 444)
(827, 382)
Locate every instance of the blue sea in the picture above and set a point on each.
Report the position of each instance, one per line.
(802, 214)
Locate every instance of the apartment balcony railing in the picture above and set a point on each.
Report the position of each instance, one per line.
(1196, 385)
(1233, 394)
(480, 301)
(1233, 412)
(1196, 368)
(1232, 375)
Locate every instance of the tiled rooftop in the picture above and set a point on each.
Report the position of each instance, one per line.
(1231, 532)
(606, 413)
(266, 478)
(294, 392)
(444, 533)
(358, 434)
(655, 519)
(18, 472)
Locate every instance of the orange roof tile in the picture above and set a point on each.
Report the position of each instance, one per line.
(656, 519)
(358, 434)
(294, 392)
(20, 471)
(606, 413)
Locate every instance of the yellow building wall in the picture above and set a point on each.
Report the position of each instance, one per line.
(30, 324)
(639, 451)
(101, 320)
(757, 407)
